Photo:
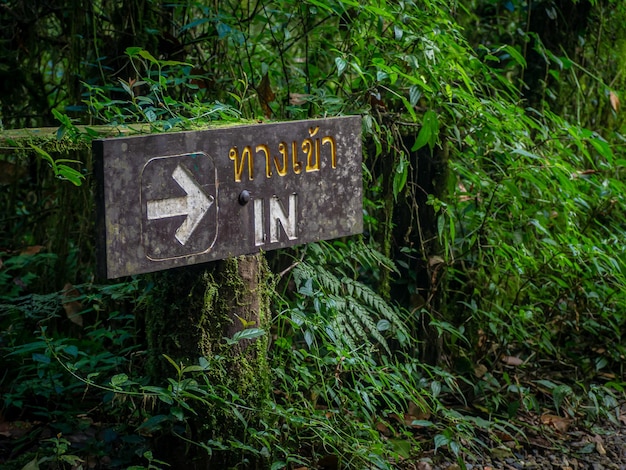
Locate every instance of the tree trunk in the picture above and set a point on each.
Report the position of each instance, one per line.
(188, 314)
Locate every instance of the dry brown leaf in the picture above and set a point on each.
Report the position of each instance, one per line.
(597, 440)
(435, 260)
(15, 429)
(505, 437)
(266, 95)
(557, 422)
(614, 99)
(512, 360)
(32, 250)
(383, 429)
(480, 370)
(72, 307)
(296, 99)
(415, 413)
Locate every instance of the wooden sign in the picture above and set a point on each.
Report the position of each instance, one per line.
(168, 200)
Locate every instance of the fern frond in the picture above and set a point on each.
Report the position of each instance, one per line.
(353, 308)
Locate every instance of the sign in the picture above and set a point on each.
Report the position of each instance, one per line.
(168, 200)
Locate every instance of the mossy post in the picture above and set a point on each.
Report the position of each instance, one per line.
(189, 314)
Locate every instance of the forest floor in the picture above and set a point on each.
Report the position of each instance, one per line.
(550, 443)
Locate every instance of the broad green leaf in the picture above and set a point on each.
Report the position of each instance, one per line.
(154, 423)
(118, 380)
(194, 23)
(400, 176)
(441, 441)
(421, 422)
(175, 63)
(37, 357)
(146, 55)
(441, 223)
(603, 149)
(383, 325)
(249, 333)
(308, 338)
(151, 115)
(414, 95)
(32, 465)
(515, 54)
(171, 361)
(133, 51)
(402, 447)
(45, 155)
(341, 65)
(429, 132)
(70, 174)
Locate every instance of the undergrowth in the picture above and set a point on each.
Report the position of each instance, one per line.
(485, 299)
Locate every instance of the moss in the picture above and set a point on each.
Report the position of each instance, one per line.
(188, 314)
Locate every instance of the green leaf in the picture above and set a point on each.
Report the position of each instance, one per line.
(45, 155)
(441, 441)
(341, 65)
(118, 380)
(133, 51)
(400, 176)
(151, 115)
(414, 95)
(421, 422)
(249, 333)
(32, 465)
(308, 338)
(429, 132)
(171, 361)
(515, 54)
(383, 325)
(177, 413)
(70, 174)
(603, 148)
(441, 223)
(146, 55)
(154, 423)
(402, 447)
(41, 358)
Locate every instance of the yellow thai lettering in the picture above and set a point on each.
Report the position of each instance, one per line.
(283, 150)
(307, 148)
(238, 167)
(313, 148)
(297, 165)
(268, 166)
(312, 153)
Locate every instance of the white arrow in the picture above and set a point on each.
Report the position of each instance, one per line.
(194, 205)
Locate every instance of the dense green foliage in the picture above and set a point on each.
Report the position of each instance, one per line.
(489, 284)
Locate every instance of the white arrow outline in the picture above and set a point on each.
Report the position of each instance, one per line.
(194, 205)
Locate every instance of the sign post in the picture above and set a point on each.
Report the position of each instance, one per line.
(169, 200)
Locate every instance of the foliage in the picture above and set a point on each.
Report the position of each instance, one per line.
(494, 207)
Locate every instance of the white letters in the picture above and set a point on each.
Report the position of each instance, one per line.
(278, 217)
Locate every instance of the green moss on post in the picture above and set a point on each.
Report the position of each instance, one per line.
(189, 312)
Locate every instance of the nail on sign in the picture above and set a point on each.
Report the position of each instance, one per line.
(169, 200)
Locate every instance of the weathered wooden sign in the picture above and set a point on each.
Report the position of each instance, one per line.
(168, 200)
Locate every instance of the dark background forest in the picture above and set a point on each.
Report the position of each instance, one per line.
(482, 310)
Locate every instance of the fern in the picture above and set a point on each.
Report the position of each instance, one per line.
(354, 311)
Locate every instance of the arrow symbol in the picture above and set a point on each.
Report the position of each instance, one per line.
(194, 205)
